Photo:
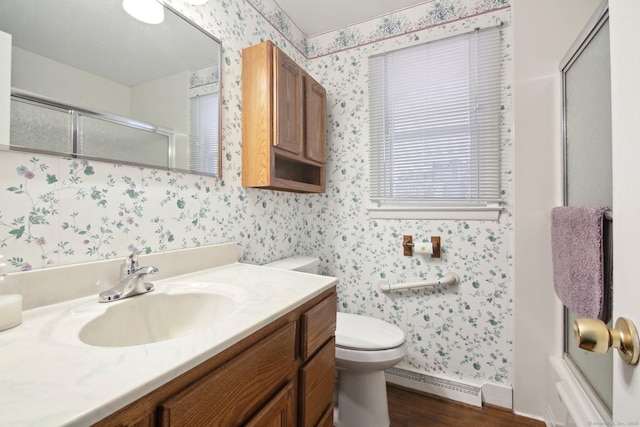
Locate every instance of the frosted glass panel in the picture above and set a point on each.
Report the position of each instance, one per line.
(104, 139)
(588, 121)
(40, 128)
(587, 86)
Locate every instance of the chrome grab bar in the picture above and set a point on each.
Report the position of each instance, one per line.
(448, 279)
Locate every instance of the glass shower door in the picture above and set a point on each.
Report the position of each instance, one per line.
(36, 126)
(587, 157)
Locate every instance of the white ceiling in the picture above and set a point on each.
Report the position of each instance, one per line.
(315, 17)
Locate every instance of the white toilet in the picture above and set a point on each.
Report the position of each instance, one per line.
(365, 347)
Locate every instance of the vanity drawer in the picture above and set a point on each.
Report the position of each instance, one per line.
(317, 381)
(318, 325)
(239, 387)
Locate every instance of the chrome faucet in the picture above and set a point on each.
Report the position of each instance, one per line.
(131, 281)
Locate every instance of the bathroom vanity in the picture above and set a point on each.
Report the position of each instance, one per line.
(267, 361)
(280, 374)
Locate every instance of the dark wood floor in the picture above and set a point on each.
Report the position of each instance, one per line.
(409, 409)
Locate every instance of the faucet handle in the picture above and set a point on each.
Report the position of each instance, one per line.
(129, 265)
(133, 258)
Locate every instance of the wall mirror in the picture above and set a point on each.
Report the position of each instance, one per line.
(90, 81)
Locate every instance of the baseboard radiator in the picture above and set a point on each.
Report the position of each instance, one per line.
(454, 390)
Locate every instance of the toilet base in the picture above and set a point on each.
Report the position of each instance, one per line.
(362, 400)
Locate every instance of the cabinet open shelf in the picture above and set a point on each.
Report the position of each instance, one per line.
(302, 176)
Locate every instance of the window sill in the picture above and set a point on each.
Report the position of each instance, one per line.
(479, 213)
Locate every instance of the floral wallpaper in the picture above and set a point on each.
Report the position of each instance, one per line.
(57, 211)
(204, 81)
(462, 332)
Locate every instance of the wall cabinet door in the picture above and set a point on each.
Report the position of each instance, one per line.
(289, 108)
(315, 120)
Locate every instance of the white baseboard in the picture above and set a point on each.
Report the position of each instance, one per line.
(550, 419)
(497, 395)
(581, 410)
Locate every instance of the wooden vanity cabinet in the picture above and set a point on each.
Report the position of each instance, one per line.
(283, 123)
(318, 356)
(237, 388)
(281, 376)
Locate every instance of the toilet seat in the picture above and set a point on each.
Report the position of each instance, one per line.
(365, 333)
(369, 361)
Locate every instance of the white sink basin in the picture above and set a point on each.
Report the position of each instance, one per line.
(155, 317)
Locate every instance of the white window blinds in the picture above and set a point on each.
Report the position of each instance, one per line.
(203, 133)
(435, 123)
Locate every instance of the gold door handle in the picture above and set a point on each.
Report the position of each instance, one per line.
(593, 335)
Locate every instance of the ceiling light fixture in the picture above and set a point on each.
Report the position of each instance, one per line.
(147, 11)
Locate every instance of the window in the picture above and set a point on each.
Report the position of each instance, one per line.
(203, 134)
(435, 129)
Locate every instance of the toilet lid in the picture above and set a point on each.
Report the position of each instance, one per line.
(366, 333)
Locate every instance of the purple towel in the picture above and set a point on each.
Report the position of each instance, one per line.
(578, 259)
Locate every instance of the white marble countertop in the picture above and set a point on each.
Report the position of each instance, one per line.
(48, 377)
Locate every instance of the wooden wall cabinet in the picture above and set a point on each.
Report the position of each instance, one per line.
(281, 376)
(283, 123)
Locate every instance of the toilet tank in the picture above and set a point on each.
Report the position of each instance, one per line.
(305, 264)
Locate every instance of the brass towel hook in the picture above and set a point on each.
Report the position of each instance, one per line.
(593, 335)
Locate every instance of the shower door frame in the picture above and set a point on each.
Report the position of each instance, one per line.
(599, 19)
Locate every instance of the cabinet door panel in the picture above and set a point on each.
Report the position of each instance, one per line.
(315, 120)
(279, 412)
(327, 419)
(317, 381)
(240, 387)
(288, 107)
